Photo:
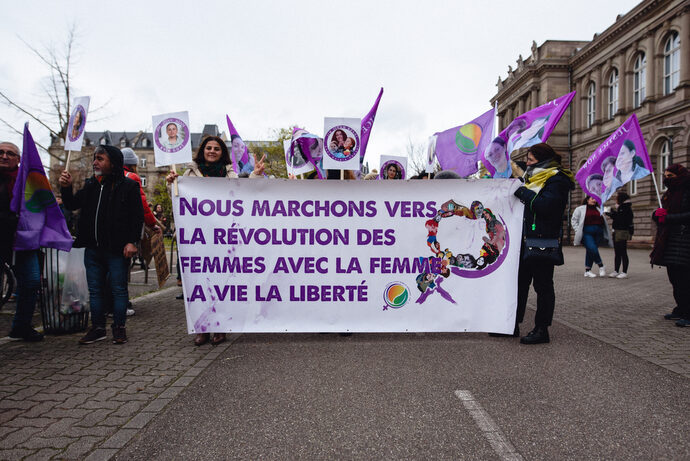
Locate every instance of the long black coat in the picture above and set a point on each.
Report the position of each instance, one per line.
(543, 216)
(676, 234)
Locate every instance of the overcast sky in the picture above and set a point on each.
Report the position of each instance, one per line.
(272, 64)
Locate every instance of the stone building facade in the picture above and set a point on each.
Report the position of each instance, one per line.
(640, 64)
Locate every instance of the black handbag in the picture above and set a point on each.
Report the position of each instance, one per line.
(543, 250)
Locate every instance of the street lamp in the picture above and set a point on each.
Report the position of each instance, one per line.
(670, 131)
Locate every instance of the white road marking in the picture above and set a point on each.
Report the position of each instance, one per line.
(501, 445)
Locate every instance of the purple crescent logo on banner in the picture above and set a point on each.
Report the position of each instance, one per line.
(623, 157)
(526, 130)
(458, 148)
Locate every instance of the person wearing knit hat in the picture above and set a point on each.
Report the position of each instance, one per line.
(545, 195)
(672, 242)
(109, 229)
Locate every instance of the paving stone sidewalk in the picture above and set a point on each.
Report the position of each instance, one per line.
(64, 401)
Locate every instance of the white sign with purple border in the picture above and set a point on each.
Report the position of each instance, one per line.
(341, 143)
(74, 137)
(172, 143)
(393, 167)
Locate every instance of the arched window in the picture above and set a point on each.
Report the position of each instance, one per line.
(613, 93)
(123, 142)
(639, 80)
(144, 142)
(664, 161)
(591, 104)
(671, 63)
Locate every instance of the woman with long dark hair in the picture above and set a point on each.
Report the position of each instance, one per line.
(212, 160)
(591, 229)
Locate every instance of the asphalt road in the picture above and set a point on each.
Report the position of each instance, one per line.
(393, 396)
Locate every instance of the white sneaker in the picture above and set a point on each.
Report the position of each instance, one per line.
(130, 312)
(602, 271)
(590, 274)
(622, 275)
(613, 274)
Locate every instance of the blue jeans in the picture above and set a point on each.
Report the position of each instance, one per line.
(98, 264)
(591, 236)
(27, 269)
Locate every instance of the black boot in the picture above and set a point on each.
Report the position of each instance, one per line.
(537, 336)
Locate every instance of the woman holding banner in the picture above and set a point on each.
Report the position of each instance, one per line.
(545, 195)
(672, 243)
(590, 229)
(212, 160)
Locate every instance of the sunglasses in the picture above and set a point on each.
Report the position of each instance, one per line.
(8, 153)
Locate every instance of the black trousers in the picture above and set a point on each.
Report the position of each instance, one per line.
(541, 275)
(679, 276)
(620, 251)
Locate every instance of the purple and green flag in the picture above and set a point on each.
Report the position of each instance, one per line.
(623, 157)
(41, 223)
(526, 130)
(459, 148)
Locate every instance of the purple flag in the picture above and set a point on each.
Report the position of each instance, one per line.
(238, 149)
(305, 153)
(526, 130)
(41, 223)
(620, 159)
(367, 125)
(458, 148)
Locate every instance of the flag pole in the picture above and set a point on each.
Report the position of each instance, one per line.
(175, 181)
(656, 188)
(69, 154)
(342, 175)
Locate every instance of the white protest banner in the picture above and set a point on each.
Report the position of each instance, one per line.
(341, 143)
(323, 256)
(74, 137)
(393, 167)
(172, 142)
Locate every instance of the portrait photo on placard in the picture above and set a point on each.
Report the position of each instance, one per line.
(392, 169)
(77, 123)
(171, 135)
(341, 143)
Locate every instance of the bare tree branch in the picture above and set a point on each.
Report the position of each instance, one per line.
(22, 110)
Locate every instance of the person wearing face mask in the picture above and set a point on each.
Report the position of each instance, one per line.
(545, 195)
(212, 160)
(672, 242)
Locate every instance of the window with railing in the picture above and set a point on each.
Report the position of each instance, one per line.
(142, 162)
(143, 180)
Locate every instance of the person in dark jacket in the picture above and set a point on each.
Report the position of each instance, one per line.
(622, 217)
(109, 227)
(26, 263)
(672, 242)
(545, 195)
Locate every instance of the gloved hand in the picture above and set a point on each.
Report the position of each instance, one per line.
(660, 214)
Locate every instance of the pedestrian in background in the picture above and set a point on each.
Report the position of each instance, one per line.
(672, 243)
(622, 222)
(590, 229)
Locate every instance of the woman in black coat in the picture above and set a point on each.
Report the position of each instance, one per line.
(622, 217)
(545, 195)
(672, 243)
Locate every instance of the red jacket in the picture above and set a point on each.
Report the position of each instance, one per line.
(149, 219)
